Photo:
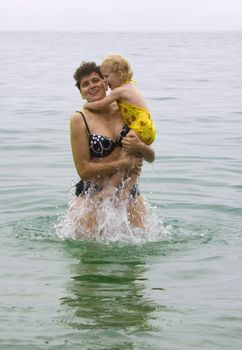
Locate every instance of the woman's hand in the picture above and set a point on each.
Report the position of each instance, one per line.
(134, 146)
(131, 143)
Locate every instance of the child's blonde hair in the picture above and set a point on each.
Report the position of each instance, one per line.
(118, 64)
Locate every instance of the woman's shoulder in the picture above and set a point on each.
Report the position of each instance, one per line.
(75, 115)
(77, 119)
(80, 115)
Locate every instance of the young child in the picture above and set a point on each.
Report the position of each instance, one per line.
(117, 74)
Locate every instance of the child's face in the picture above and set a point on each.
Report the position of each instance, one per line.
(111, 78)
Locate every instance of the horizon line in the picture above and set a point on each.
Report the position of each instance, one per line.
(118, 31)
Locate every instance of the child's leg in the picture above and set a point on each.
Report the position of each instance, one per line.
(115, 181)
(121, 182)
(132, 176)
(127, 185)
(129, 179)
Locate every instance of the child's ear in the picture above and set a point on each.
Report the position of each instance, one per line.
(120, 75)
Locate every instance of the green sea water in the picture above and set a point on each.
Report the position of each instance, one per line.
(175, 286)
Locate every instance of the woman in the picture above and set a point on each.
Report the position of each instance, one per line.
(96, 141)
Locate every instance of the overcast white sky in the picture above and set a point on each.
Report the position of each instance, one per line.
(123, 15)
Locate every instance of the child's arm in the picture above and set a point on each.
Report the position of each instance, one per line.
(101, 104)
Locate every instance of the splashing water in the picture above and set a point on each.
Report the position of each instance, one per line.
(112, 223)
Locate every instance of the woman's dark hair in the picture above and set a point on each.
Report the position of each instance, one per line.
(85, 69)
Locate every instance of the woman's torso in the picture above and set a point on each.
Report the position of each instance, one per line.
(104, 132)
(107, 124)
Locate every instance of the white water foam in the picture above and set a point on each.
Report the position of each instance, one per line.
(112, 223)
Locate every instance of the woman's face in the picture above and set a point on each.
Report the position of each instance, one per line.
(112, 79)
(93, 87)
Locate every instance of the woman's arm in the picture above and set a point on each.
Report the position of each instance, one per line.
(86, 168)
(106, 101)
(133, 145)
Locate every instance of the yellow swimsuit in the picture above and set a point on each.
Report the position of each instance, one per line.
(138, 119)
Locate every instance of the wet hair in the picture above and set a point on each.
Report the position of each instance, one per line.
(118, 64)
(86, 68)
